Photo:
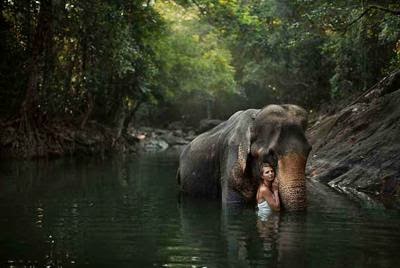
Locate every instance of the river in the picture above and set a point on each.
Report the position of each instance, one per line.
(126, 212)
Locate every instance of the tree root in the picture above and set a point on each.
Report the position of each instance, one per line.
(25, 138)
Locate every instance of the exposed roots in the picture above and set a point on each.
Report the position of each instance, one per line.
(26, 137)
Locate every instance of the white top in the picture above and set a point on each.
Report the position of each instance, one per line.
(263, 210)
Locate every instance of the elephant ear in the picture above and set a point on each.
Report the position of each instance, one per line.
(238, 141)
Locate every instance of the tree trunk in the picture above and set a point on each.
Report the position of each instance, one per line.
(131, 115)
(85, 60)
(120, 119)
(89, 109)
(33, 140)
(41, 37)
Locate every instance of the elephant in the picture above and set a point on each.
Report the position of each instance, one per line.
(225, 161)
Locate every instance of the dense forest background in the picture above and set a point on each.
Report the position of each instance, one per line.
(146, 62)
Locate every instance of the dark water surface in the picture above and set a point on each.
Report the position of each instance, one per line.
(125, 212)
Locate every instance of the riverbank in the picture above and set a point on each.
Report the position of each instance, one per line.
(58, 138)
(356, 149)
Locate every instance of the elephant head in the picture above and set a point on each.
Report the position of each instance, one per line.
(276, 135)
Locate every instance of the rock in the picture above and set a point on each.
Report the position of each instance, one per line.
(145, 129)
(155, 145)
(207, 124)
(387, 85)
(159, 132)
(356, 146)
(178, 149)
(178, 133)
(134, 137)
(176, 125)
(191, 135)
(171, 139)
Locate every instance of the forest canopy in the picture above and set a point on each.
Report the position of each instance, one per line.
(123, 62)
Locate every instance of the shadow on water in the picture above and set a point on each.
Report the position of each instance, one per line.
(125, 211)
(84, 211)
(236, 236)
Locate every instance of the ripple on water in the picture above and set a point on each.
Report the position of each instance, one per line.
(125, 212)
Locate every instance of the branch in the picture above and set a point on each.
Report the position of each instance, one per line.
(387, 10)
(365, 12)
(358, 18)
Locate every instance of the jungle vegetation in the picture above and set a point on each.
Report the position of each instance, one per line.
(121, 62)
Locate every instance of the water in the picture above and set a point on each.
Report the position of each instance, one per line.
(125, 212)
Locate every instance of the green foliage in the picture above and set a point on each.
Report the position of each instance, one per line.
(103, 59)
(192, 57)
(193, 62)
(307, 52)
(360, 45)
(96, 51)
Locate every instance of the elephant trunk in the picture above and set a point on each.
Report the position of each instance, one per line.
(292, 183)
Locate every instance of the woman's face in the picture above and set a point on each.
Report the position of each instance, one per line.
(268, 173)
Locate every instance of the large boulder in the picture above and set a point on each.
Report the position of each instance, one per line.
(356, 150)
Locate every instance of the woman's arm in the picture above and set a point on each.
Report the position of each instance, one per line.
(276, 198)
(272, 198)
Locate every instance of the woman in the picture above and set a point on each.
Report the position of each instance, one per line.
(267, 194)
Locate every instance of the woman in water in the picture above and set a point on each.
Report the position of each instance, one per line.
(267, 194)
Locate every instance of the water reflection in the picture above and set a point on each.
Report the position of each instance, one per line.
(292, 240)
(237, 236)
(125, 212)
(268, 228)
(200, 229)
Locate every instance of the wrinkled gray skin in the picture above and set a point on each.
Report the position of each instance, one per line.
(225, 161)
